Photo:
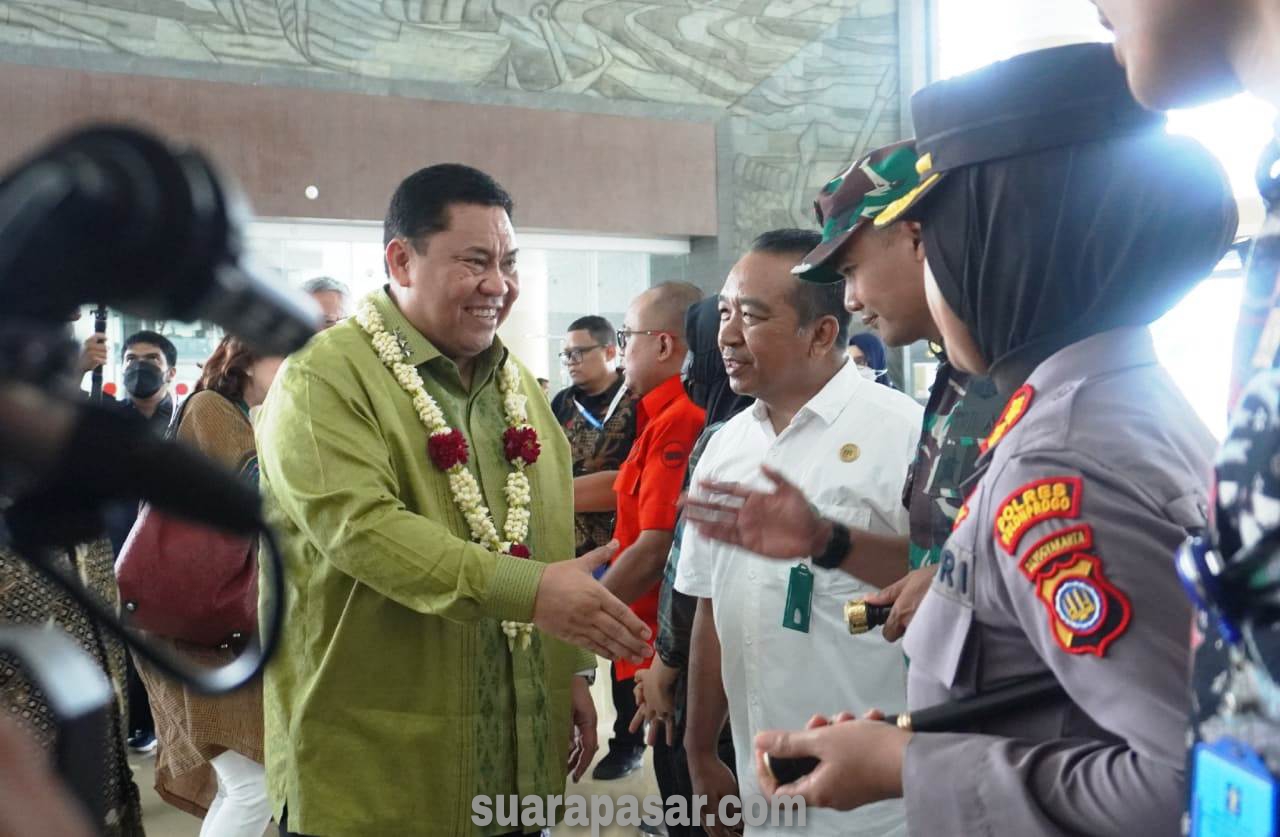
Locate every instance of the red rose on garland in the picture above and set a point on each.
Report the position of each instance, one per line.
(447, 449)
(521, 443)
(519, 550)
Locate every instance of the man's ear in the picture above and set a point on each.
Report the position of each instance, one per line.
(825, 335)
(397, 255)
(912, 229)
(668, 347)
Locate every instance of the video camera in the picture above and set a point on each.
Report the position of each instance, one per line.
(113, 216)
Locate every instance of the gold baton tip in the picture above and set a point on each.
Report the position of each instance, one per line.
(855, 616)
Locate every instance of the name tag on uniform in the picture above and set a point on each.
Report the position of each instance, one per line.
(799, 599)
(1232, 792)
(954, 578)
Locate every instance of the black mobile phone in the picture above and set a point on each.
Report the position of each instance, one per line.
(786, 771)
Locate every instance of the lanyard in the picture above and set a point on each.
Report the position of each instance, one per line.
(596, 423)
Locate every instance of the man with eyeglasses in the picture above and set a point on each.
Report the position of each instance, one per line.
(651, 479)
(598, 415)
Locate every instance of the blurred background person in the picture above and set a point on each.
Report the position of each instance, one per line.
(333, 297)
(150, 366)
(209, 761)
(598, 415)
(867, 352)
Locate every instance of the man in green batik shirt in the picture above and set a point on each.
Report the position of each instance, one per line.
(396, 698)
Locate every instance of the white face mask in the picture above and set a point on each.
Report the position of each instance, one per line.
(868, 373)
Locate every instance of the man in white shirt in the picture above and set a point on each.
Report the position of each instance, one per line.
(770, 645)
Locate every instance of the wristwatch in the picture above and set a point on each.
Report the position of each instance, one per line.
(837, 547)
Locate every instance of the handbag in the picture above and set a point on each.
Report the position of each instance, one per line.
(187, 581)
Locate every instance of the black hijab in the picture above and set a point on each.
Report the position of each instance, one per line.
(1039, 251)
(705, 379)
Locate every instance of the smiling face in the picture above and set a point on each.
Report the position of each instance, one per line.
(1175, 52)
(761, 339)
(458, 285)
(884, 282)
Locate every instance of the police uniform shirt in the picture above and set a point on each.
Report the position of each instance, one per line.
(1061, 561)
(848, 450)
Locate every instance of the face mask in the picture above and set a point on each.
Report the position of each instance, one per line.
(142, 380)
(868, 373)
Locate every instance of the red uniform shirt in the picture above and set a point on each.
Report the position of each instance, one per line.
(650, 481)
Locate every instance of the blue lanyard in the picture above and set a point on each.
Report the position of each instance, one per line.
(586, 414)
(596, 423)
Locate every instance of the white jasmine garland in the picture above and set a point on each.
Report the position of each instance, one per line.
(462, 483)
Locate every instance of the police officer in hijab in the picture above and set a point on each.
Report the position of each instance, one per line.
(1059, 219)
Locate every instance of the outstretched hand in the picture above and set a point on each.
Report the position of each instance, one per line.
(778, 524)
(571, 605)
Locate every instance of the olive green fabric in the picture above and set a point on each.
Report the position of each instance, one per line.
(394, 698)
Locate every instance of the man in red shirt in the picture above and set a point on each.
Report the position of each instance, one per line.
(651, 479)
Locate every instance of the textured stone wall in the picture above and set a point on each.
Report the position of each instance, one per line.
(796, 87)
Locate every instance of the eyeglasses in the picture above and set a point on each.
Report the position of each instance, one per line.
(625, 335)
(575, 355)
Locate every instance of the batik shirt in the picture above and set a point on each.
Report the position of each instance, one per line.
(601, 430)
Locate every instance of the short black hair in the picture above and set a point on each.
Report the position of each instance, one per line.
(600, 329)
(155, 339)
(420, 204)
(812, 300)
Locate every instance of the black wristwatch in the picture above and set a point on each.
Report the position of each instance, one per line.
(838, 547)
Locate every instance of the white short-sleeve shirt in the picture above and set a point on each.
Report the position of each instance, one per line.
(848, 449)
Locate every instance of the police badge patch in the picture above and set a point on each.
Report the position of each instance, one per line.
(1034, 502)
(1039, 555)
(1086, 612)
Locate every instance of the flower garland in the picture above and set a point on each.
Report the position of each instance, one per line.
(448, 450)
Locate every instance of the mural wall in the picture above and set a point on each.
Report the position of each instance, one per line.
(804, 85)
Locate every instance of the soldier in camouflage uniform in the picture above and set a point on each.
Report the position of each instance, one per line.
(884, 273)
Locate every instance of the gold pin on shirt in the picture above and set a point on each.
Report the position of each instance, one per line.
(849, 452)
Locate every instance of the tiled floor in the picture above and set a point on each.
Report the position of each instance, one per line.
(161, 820)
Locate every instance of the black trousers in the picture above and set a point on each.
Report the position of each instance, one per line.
(624, 703)
(671, 764)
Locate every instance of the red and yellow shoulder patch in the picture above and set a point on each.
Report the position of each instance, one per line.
(1036, 501)
(1086, 612)
(1040, 555)
(1013, 412)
